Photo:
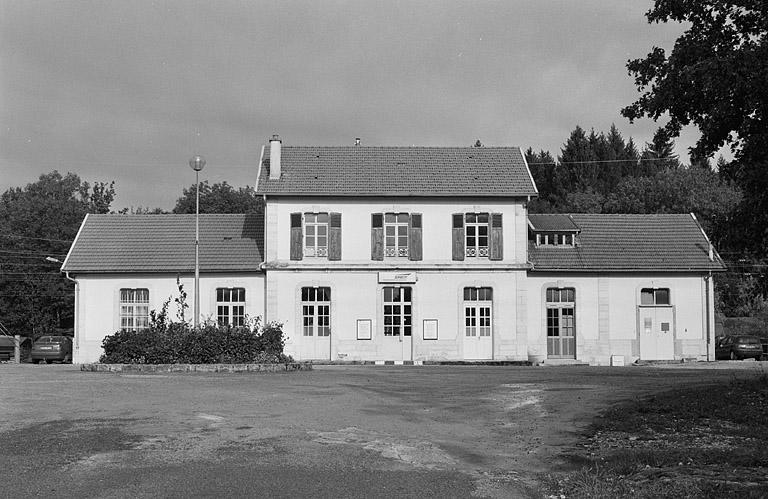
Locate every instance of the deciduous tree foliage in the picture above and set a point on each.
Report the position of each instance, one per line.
(38, 221)
(219, 198)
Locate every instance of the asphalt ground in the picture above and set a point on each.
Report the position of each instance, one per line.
(336, 431)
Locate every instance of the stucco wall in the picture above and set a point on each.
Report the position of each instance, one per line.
(358, 295)
(98, 309)
(607, 313)
(356, 225)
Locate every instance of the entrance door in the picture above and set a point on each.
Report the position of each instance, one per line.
(561, 323)
(478, 339)
(316, 323)
(656, 333)
(398, 323)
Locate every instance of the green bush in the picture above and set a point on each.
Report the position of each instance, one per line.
(180, 343)
(169, 342)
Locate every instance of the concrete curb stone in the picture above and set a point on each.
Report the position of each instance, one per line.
(204, 368)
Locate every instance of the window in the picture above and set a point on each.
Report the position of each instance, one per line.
(396, 234)
(230, 306)
(134, 309)
(476, 229)
(561, 323)
(477, 311)
(654, 296)
(397, 311)
(555, 239)
(316, 311)
(316, 234)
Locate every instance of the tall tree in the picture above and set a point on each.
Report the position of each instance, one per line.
(219, 198)
(715, 78)
(39, 221)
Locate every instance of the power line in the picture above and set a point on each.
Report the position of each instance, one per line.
(38, 238)
(601, 161)
(34, 253)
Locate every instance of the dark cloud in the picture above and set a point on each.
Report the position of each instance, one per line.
(129, 90)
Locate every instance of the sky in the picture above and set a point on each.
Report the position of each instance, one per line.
(129, 91)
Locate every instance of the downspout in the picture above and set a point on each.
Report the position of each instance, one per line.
(708, 282)
(264, 257)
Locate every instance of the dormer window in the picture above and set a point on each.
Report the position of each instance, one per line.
(555, 239)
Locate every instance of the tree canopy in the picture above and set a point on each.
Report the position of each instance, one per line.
(39, 221)
(219, 198)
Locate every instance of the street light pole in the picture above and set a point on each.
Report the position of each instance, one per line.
(197, 163)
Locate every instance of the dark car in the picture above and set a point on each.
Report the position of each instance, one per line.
(740, 346)
(8, 347)
(50, 348)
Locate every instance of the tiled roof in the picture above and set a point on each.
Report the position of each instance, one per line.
(552, 222)
(398, 171)
(669, 242)
(166, 243)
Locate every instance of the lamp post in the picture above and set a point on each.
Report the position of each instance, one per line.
(197, 163)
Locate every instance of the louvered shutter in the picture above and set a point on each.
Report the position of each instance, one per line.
(458, 237)
(497, 238)
(414, 237)
(297, 236)
(334, 237)
(377, 236)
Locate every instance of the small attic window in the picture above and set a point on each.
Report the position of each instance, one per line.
(555, 239)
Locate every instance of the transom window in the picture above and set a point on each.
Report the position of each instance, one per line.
(476, 227)
(134, 309)
(397, 311)
(654, 296)
(316, 234)
(396, 234)
(230, 306)
(477, 311)
(316, 311)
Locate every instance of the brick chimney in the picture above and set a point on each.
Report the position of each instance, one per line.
(275, 145)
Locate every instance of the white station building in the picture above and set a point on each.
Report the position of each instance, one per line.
(410, 254)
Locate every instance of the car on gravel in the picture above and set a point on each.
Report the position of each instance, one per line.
(50, 348)
(738, 346)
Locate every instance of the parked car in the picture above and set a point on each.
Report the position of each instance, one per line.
(741, 346)
(8, 345)
(50, 348)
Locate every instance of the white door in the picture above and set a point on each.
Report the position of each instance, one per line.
(398, 323)
(478, 339)
(316, 324)
(656, 333)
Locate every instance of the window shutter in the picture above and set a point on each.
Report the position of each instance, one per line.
(334, 237)
(377, 236)
(458, 237)
(497, 239)
(297, 236)
(414, 237)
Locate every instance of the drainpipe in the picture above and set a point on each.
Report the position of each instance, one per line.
(708, 282)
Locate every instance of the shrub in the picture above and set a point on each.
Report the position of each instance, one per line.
(168, 342)
(179, 343)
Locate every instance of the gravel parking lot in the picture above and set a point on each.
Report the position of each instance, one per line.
(337, 431)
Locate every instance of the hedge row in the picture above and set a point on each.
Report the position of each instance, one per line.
(180, 343)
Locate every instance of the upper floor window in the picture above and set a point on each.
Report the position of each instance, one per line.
(230, 306)
(476, 229)
(134, 309)
(396, 235)
(478, 235)
(315, 234)
(654, 296)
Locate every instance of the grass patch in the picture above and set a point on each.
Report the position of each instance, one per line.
(705, 441)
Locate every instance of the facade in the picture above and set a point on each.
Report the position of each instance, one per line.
(411, 254)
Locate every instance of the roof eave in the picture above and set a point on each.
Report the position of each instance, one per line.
(398, 194)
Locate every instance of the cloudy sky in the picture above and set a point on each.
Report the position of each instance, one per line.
(130, 90)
